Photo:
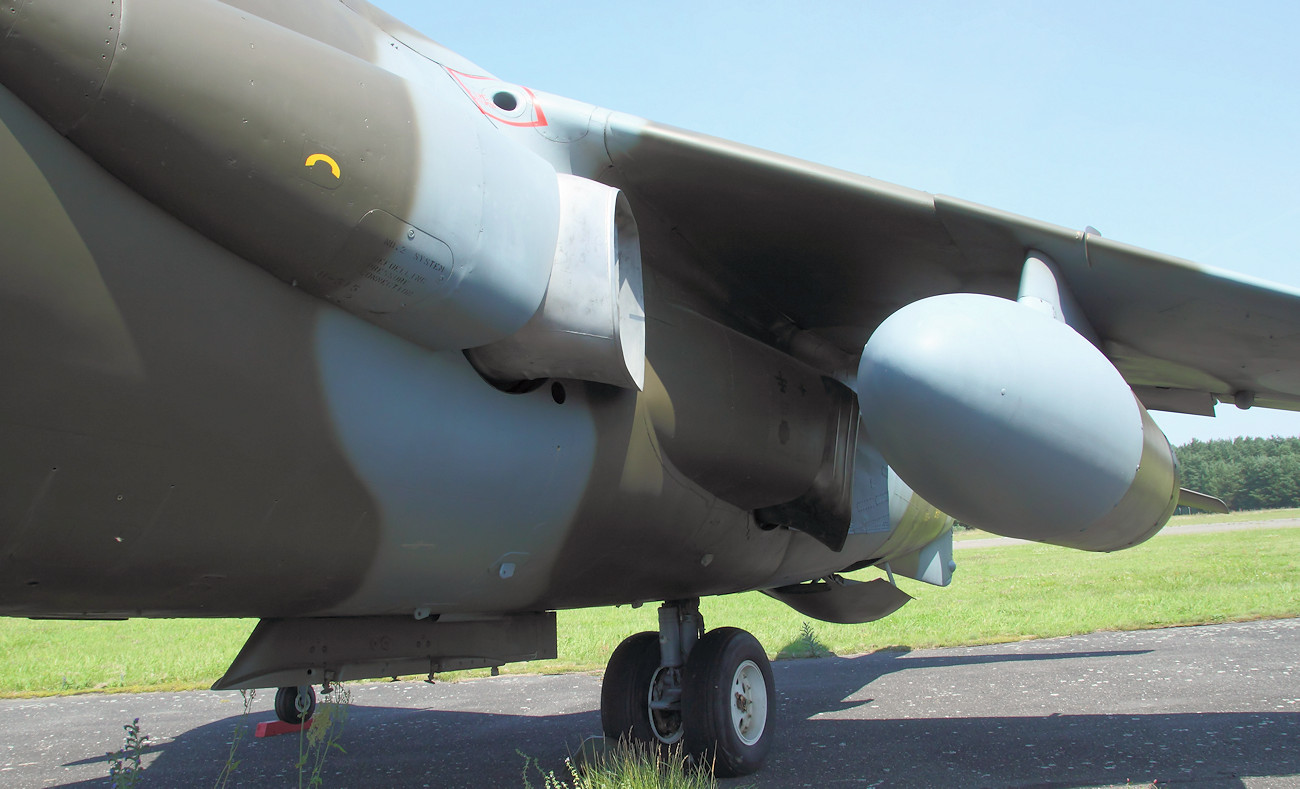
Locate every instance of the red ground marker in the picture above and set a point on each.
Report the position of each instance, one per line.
(274, 728)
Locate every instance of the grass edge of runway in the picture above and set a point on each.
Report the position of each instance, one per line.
(998, 595)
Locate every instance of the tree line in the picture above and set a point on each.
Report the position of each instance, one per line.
(1247, 473)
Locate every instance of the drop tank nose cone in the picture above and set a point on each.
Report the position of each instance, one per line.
(1002, 417)
(55, 55)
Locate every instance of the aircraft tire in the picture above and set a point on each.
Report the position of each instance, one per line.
(287, 705)
(728, 700)
(625, 690)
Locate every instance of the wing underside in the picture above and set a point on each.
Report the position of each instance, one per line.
(821, 250)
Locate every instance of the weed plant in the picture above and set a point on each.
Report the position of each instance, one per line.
(315, 743)
(236, 738)
(124, 768)
(318, 741)
(624, 766)
(806, 645)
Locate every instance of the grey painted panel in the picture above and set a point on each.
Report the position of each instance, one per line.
(1000, 415)
(462, 474)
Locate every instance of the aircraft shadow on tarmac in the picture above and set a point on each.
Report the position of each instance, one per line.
(819, 745)
(396, 746)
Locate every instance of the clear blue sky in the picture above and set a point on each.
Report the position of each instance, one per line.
(1172, 125)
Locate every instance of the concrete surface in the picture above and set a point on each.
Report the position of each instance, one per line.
(1215, 706)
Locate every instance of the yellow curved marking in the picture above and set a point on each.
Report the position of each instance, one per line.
(320, 157)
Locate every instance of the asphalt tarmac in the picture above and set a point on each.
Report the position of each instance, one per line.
(1215, 706)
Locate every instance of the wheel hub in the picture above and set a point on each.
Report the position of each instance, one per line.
(749, 702)
(665, 705)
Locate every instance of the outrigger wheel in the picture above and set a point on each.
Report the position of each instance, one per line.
(295, 704)
(712, 693)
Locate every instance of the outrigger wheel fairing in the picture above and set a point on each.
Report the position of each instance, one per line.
(712, 693)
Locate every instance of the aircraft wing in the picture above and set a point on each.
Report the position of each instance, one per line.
(836, 253)
(326, 326)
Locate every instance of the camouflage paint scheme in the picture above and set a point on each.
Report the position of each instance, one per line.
(194, 437)
(248, 244)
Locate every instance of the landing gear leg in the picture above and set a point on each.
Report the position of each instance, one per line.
(295, 704)
(640, 698)
(712, 692)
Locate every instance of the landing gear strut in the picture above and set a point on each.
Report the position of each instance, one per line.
(712, 692)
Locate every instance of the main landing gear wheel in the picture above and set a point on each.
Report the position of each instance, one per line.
(714, 695)
(636, 695)
(295, 704)
(727, 696)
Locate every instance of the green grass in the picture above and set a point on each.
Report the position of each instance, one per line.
(50, 657)
(621, 767)
(997, 594)
(1240, 515)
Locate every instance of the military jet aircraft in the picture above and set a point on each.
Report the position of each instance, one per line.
(308, 318)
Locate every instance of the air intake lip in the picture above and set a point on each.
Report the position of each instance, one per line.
(591, 325)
